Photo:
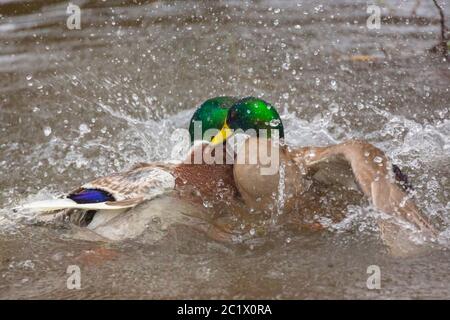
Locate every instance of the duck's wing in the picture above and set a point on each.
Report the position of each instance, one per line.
(383, 184)
(116, 191)
(334, 170)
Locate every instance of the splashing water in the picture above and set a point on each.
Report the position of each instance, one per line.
(75, 105)
(281, 196)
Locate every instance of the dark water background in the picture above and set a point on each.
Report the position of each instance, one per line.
(76, 104)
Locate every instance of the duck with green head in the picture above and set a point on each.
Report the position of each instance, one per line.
(303, 173)
(103, 201)
(262, 160)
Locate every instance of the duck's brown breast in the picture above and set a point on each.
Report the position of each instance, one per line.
(206, 182)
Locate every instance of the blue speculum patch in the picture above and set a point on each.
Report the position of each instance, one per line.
(91, 196)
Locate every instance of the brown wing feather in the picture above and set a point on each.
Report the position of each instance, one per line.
(128, 202)
(373, 172)
(135, 183)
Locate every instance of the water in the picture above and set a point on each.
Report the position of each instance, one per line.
(76, 104)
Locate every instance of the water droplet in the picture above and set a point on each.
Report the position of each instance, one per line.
(333, 84)
(47, 131)
(84, 128)
(252, 231)
(207, 204)
(378, 159)
(288, 240)
(29, 77)
(274, 122)
(334, 108)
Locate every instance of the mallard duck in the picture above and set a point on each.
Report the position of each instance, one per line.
(116, 193)
(354, 165)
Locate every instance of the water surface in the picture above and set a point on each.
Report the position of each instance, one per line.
(77, 104)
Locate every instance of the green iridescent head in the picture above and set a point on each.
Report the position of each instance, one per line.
(251, 114)
(211, 115)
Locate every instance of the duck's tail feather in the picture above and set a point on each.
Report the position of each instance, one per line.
(67, 203)
(113, 193)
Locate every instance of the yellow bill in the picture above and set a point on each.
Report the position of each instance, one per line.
(223, 135)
